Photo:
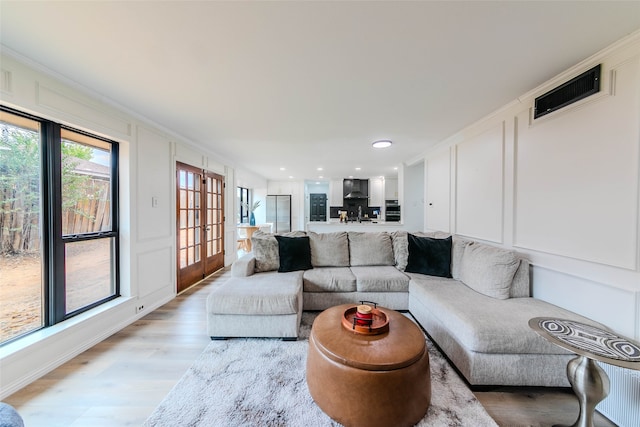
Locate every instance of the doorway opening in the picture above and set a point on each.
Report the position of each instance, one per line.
(318, 207)
(200, 224)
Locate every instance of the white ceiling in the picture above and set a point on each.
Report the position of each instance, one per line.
(303, 85)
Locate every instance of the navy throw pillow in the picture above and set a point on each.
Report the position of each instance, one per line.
(294, 252)
(429, 256)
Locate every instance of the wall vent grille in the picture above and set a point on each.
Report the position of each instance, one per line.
(574, 90)
(5, 81)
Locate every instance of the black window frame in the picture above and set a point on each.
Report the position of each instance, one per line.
(244, 211)
(53, 240)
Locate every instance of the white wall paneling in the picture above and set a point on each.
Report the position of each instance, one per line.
(570, 196)
(438, 191)
(155, 271)
(615, 306)
(155, 191)
(577, 178)
(147, 242)
(480, 185)
(412, 206)
(75, 108)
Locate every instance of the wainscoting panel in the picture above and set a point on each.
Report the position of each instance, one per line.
(155, 271)
(480, 185)
(577, 178)
(155, 195)
(612, 306)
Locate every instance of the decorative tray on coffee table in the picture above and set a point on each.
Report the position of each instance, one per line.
(378, 324)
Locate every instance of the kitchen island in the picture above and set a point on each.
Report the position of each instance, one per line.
(335, 225)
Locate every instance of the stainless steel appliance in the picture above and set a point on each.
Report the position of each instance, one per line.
(279, 212)
(392, 211)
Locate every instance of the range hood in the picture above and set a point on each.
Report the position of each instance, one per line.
(356, 195)
(353, 189)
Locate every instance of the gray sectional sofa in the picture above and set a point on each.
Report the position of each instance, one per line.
(473, 299)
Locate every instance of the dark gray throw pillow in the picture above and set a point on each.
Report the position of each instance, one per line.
(430, 256)
(295, 253)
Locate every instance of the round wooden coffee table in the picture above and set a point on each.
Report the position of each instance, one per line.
(369, 380)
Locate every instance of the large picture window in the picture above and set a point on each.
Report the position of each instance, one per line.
(58, 223)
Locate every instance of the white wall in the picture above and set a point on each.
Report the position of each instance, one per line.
(148, 154)
(412, 205)
(563, 190)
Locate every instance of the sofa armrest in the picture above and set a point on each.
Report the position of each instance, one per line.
(244, 266)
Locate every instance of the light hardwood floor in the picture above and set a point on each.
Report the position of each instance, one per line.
(121, 380)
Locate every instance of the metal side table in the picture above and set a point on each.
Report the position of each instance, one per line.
(588, 380)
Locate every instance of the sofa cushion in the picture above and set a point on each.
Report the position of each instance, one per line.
(329, 249)
(265, 249)
(267, 293)
(329, 279)
(429, 256)
(457, 250)
(369, 248)
(400, 244)
(294, 253)
(483, 324)
(488, 270)
(380, 279)
(521, 286)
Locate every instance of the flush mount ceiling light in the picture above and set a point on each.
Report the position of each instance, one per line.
(381, 143)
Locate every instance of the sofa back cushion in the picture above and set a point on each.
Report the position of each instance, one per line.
(368, 248)
(401, 245)
(265, 249)
(428, 255)
(521, 285)
(457, 251)
(329, 249)
(488, 270)
(294, 253)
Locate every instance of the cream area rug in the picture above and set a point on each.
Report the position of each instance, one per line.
(261, 382)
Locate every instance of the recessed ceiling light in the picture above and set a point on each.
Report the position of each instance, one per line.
(320, 177)
(282, 169)
(319, 169)
(358, 169)
(381, 143)
(290, 176)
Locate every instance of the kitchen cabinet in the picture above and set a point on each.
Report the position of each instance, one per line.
(391, 188)
(335, 193)
(376, 192)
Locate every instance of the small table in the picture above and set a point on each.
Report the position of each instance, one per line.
(369, 380)
(588, 380)
(249, 230)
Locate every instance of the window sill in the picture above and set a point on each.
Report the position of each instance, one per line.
(50, 332)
